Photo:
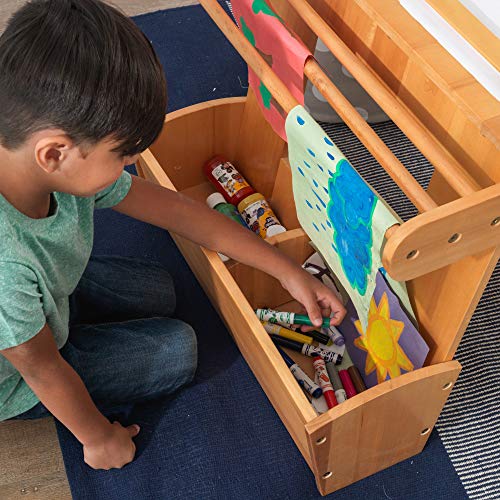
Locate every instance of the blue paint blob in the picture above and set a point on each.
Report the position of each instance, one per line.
(383, 271)
(328, 223)
(300, 120)
(328, 141)
(325, 190)
(350, 210)
(311, 152)
(315, 183)
(307, 164)
(319, 209)
(309, 204)
(323, 226)
(320, 167)
(330, 173)
(330, 156)
(316, 227)
(300, 170)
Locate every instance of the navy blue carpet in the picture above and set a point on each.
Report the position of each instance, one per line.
(220, 438)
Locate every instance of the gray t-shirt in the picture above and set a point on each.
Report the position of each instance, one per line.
(41, 263)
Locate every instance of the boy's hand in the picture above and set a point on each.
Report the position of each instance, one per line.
(318, 300)
(115, 450)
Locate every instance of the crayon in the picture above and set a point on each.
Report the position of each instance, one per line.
(284, 332)
(288, 318)
(324, 382)
(304, 381)
(336, 382)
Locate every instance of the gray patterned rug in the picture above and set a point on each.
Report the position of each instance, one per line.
(469, 425)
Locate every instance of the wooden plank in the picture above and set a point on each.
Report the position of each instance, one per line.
(469, 27)
(463, 227)
(379, 427)
(31, 461)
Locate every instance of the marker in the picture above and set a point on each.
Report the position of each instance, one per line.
(324, 382)
(322, 338)
(308, 350)
(288, 318)
(319, 404)
(284, 332)
(353, 371)
(336, 383)
(347, 383)
(336, 337)
(304, 381)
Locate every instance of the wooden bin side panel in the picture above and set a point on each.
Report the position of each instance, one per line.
(380, 427)
(193, 135)
(252, 340)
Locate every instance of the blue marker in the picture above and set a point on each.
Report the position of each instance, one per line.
(304, 381)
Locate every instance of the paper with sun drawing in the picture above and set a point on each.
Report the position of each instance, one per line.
(339, 211)
(389, 345)
(285, 53)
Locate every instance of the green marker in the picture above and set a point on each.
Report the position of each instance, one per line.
(302, 319)
(287, 318)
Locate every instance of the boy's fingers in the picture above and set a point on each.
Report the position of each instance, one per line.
(133, 430)
(314, 312)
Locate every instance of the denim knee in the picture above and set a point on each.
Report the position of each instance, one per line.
(177, 359)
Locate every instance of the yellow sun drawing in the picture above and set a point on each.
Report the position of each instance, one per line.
(380, 341)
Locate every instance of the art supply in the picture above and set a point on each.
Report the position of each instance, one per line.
(306, 349)
(227, 180)
(336, 337)
(217, 202)
(319, 404)
(284, 332)
(354, 374)
(324, 382)
(302, 378)
(336, 382)
(322, 338)
(287, 318)
(349, 388)
(259, 216)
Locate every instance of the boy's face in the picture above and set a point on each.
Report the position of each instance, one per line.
(71, 171)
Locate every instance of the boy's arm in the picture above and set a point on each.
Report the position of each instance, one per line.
(170, 210)
(63, 393)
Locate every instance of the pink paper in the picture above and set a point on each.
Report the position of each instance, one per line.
(281, 50)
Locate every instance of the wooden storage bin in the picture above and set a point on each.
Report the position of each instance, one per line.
(363, 435)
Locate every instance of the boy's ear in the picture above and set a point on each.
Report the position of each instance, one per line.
(52, 151)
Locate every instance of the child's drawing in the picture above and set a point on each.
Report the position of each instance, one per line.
(286, 55)
(340, 212)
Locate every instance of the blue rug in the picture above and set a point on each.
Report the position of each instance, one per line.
(220, 438)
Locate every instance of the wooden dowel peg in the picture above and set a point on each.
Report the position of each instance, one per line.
(369, 138)
(454, 174)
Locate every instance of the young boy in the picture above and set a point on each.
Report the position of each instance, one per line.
(81, 94)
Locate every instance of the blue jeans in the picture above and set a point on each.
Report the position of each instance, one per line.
(122, 342)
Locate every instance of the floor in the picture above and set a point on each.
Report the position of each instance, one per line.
(31, 464)
(130, 7)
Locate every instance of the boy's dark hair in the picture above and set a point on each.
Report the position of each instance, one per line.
(83, 67)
